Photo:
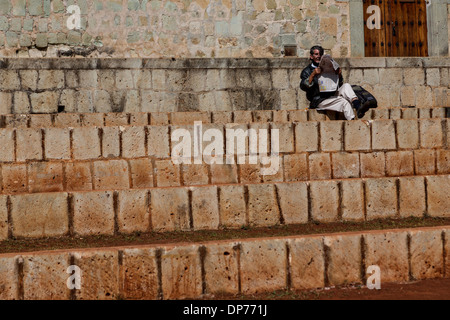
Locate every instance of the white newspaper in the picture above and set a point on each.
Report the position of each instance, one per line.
(328, 79)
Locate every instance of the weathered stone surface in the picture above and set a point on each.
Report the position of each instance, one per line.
(388, 251)
(100, 274)
(324, 201)
(3, 218)
(205, 208)
(170, 209)
(319, 166)
(262, 205)
(373, 164)
(293, 199)
(139, 273)
(86, 143)
(357, 136)
(344, 265)
(78, 176)
(167, 173)
(45, 177)
(111, 174)
(181, 272)
(7, 143)
(431, 133)
(93, 213)
(133, 142)
(195, 174)
(399, 163)
(407, 133)
(133, 211)
(14, 178)
(307, 263)
(263, 266)
(295, 167)
(381, 198)
(232, 206)
(223, 173)
(426, 254)
(141, 171)
(40, 215)
(221, 268)
(424, 162)
(57, 143)
(331, 136)
(345, 165)
(352, 205)
(306, 136)
(412, 196)
(443, 161)
(45, 277)
(438, 196)
(9, 275)
(110, 142)
(158, 141)
(29, 144)
(383, 135)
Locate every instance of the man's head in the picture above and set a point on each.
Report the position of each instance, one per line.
(316, 53)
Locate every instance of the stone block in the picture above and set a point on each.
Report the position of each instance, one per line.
(139, 119)
(133, 142)
(116, 119)
(352, 204)
(344, 265)
(325, 204)
(111, 174)
(410, 114)
(5, 103)
(373, 164)
(158, 141)
(9, 80)
(110, 142)
(29, 144)
(306, 137)
(437, 196)
(388, 251)
(425, 113)
(298, 115)
(399, 163)
(45, 177)
(413, 76)
(381, 198)
(159, 118)
(167, 173)
(50, 79)
(57, 144)
(170, 209)
(381, 114)
(78, 176)
(345, 165)
(232, 206)
(188, 118)
(14, 178)
(249, 173)
(357, 136)
(9, 273)
(307, 262)
(295, 167)
(412, 202)
(280, 116)
(181, 272)
(262, 205)
(286, 137)
(3, 218)
(443, 161)
(139, 274)
(408, 134)
(408, 96)
(223, 173)
(263, 266)
(194, 174)
(41, 121)
(45, 277)
(100, 274)
(319, 166)
(424, 162)
(431, 135)
(221, 268)
(86, 143)
(293, 199)
(40, 215)
(205, 208)
(93, 213)
(433, 77)
(141, 173)
(242, 116)
(426, 254)
(391, 76)
(21, 102)
(383, 135)
(133, 211)
(7, 143)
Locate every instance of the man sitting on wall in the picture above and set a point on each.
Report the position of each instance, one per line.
(341, 100)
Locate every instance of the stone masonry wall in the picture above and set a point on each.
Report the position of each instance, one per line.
(183, 28)
(166, 85)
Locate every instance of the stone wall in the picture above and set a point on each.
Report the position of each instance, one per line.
(178, 28)
(166, 85)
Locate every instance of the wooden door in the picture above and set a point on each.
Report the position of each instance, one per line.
(403, 29)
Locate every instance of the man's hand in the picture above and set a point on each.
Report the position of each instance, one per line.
(316, 71)
(338, 71)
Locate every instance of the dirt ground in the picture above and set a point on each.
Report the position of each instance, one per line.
(431, 289)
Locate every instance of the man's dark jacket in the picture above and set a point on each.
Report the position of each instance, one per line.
(313, 93)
